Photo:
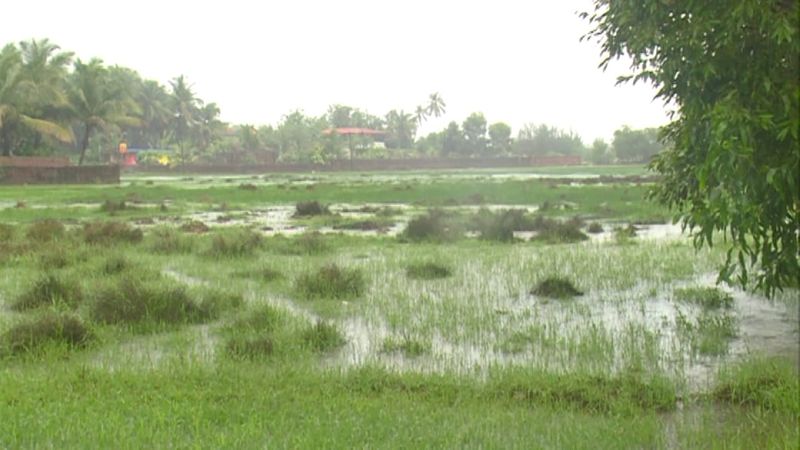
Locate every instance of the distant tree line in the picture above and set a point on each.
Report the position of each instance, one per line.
(54, 103)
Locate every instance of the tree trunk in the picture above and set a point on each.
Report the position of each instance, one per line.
(5, 141)
(84, 143)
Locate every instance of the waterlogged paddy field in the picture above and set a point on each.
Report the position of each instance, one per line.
(216, 312)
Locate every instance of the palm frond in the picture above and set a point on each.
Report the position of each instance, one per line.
(48, 128)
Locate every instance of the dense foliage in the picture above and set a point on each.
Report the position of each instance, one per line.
(730, 69)
(54, 103)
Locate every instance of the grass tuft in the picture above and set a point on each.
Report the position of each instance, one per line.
(707, 297)
(311, 208)
(771, 384)
(556, 287)
(47, 329)
(235, 243)
(45, 231)
(49, 290)
(110, 233)
(323, 337)
(433, 227)
(428, 271)
(167, 240)
(331, 281)
(132, 301)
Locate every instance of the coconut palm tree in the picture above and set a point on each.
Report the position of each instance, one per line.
(23, 99)
(96, 102)
(184, 108)
(420, 114)
(436, 106)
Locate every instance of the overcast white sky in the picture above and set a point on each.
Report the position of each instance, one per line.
(515, 61)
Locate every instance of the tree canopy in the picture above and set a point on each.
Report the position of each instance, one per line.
(730, 70)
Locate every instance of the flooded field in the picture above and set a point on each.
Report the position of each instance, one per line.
(461, 291)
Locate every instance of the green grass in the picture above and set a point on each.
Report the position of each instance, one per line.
(258, 347)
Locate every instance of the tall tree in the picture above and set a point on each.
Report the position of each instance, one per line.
(500, 138)
(96, 102)
(23, 100)
(402, 128)
(436, 106)
(474, 128)
(638, 146)
(184, 108)
(730, 68)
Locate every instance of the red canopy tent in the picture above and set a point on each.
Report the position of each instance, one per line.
(350, 132)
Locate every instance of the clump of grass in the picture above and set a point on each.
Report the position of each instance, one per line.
(7, 232)
(47, 329)
(362, 225)
(323, 337)
(167, 240)
(501, 226)
(331, 281)
(310, 208)
(250, 347)
(195, 226)
(771, 384)
(55, 259)
(115, 265)
(595, 228)
(45, 231)
(265, 274)
(707, 297)
(433, 227)
(556, 232)
(49, 290)
(110, 233)
(253, 335)
(625, 235)
(556, 287)
(133, 301)
(307, 244)
(235, 243)
(111, 207)
(406, 345)
(214, 301)
(427, 271)
(709, 334)
(248, 187)
(626, 393)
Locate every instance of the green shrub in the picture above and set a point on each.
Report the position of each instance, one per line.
(311, 208)
(45, 231)
(55, 258)
(331, 281)
(555, 232)
(49, 290)
(707, 297)
(264, 274)
(323, 337)
(434, 226)
(556, 287)
(110, 233)
(428, 271)
(215, 301)
(235, 243)
(49, 328)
